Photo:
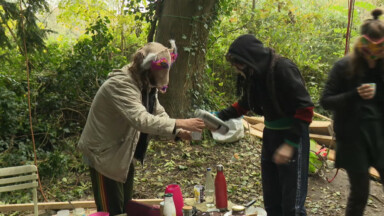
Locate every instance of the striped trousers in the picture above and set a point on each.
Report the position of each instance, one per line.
(112, 196)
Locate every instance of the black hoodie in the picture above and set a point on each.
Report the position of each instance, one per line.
(273, 87)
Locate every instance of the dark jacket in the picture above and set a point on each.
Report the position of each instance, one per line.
(340, 95)
(273, 87)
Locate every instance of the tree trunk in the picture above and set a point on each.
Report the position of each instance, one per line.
(188, 22)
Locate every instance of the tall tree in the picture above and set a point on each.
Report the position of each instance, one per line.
(188, 22)
(19, 24)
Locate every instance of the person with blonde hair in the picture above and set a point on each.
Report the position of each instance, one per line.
(124, 112)
(355, 93)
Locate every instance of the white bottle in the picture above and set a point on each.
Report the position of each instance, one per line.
(169, 205)
(79, 212)
(209, 189)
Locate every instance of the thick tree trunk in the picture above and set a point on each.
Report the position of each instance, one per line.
(188, 22)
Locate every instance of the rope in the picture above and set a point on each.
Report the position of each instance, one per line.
(29, 100)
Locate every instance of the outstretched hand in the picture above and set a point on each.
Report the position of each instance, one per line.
(191, 124)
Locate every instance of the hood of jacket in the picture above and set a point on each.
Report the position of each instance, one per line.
(251, 51)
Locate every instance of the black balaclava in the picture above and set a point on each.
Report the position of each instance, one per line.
(250, 51)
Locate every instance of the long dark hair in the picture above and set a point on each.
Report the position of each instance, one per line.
(374, 29)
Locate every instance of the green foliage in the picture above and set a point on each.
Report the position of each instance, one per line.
(311, 33)
(315, 161)
(23, 17)
(81, 13)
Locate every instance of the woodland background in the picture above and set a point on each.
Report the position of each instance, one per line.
(54, 55)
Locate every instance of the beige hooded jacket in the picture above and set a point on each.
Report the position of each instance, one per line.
(114, 122)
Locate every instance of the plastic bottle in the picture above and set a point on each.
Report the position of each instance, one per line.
(79, 212)
(169, 205)
(221, 189)
(209, 189)
(63, 213)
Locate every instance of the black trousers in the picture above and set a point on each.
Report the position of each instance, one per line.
(112, 196)
(359, 192)
(284, 186)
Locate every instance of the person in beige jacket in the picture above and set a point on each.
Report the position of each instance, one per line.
(123, 113)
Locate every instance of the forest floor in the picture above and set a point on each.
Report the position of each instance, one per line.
(185, 163)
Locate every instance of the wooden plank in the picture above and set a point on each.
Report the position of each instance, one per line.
(9, 171)
(65, 205)
(316, 127)
(18, 179)
(251, 130)
(321, 116)
(373, 172)
(253, 119)
(320, 127)
(259, 127)
(18, 187)
(323, 140)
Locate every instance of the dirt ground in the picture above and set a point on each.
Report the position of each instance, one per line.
(330, 198)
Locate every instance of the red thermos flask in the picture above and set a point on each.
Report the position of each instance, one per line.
(221, 189)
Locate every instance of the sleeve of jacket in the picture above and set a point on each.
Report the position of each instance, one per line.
(126, 98)
(236, 110)
(293, 87)
(333, 96)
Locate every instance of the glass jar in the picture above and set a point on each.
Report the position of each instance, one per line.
(187, 211)
(238, 210)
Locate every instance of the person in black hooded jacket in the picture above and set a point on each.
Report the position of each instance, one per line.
(272, 86)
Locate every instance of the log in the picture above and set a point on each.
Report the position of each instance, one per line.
(64, 205)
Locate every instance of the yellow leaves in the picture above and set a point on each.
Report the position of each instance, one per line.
(264, 15)
(293, 9)
(60, 38)
(41, 25)
(233, 20)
